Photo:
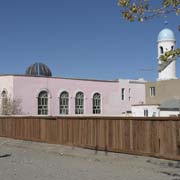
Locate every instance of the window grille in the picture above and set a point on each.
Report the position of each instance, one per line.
(43, 103)
(64, 103)
(96, 103)
(79, 103)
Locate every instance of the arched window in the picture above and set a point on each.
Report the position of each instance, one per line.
(64, 103)
(4, 103)
(161, 50)
(172, 48)
(96, 103)
(79, 103)
(43, 103)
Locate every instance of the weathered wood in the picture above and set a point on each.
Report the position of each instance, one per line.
(158, 137)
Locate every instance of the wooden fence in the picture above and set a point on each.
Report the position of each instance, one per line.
(158, 137)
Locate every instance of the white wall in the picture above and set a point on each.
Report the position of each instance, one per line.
(168, 113)
(170, 71)
(139, 110)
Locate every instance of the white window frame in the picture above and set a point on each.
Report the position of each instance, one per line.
(43, 103)
(64, 103)
(152, 91)
(79, 103)
(96, 101)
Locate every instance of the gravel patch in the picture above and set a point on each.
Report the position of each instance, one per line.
(26, 160)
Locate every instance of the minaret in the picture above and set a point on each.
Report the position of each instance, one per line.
(166, 42)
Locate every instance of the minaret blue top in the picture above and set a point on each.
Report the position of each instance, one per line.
(166, 34)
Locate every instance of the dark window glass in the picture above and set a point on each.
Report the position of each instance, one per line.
(96, 103)
(64, 103)
(79, 103)
(43, 103)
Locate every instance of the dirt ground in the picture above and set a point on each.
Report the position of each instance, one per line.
(26, 160)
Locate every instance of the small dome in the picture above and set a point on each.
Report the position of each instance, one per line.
(166, 34)
(38, 69)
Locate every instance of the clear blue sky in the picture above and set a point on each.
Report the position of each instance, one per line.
(80, 39)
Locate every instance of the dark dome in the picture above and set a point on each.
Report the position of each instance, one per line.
(38, 69)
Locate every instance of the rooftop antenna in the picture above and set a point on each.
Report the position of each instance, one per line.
(147, 69)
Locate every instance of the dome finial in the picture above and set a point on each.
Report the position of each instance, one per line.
(165, 23)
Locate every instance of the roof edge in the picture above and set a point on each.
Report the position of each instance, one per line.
(55, 77)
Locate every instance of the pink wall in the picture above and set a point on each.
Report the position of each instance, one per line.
(27, 89)
(6, 83)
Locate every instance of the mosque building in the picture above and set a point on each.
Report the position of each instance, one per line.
(37, 92)
(42, 94)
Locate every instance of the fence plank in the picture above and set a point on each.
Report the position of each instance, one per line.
(159, 137)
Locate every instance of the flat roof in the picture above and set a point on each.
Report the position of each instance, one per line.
(164, 81)
(145, 104)
(96, 80)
